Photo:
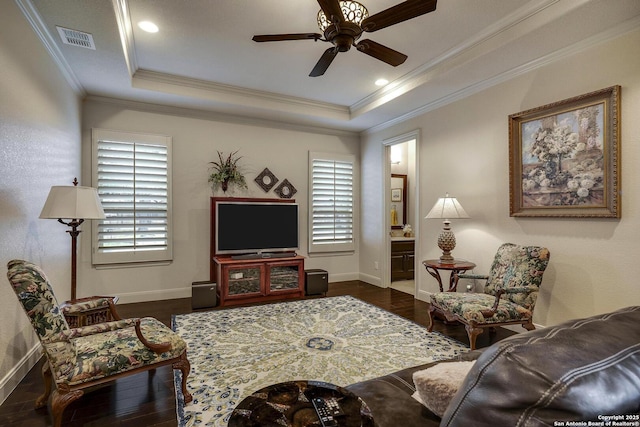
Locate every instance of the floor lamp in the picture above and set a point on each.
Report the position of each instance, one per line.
(447, 208)
(75, 203)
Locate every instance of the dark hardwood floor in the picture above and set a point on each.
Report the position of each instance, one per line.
(147, 399)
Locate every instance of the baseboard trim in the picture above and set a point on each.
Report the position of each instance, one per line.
(372, 280)
(165, 294)
(423, 295)
(342, 277)
(156, 295)
(19, 371)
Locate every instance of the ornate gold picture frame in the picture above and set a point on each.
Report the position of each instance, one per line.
(564, 158)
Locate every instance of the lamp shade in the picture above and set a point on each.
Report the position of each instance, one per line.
(447, 208)
(352, 11)
(72, 203)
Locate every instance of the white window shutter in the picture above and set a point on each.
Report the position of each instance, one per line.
(132, 173)
(331, 217)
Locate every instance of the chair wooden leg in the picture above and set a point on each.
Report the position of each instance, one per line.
(473, 333)
(528, 326)
(60, 401)
(432, 310)
(42, 400)
(185, 367)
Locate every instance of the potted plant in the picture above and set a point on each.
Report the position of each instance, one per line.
(225, 171)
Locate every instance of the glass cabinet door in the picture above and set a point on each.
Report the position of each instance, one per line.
(283, 278)
(244, 280)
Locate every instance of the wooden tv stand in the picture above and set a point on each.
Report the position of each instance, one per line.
(242, 281)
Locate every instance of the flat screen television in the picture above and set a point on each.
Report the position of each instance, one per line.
(261, 228)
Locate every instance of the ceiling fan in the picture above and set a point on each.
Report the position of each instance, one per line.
(342, 24)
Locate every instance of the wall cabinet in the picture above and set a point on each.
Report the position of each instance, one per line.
(402, 260)
(242, 281)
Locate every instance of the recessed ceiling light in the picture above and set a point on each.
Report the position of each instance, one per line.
(148, 26)
(381, 82)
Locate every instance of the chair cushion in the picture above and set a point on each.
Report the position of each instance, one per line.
(468, 306)
(117, 351)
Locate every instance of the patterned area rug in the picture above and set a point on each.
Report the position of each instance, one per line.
(340, 340)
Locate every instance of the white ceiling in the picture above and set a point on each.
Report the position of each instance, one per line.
(203, 57)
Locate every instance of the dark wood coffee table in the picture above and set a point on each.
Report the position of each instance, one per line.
(289, 404)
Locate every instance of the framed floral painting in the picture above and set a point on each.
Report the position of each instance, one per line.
(564, 158)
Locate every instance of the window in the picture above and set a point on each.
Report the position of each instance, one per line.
(132, 173)
(330, 203)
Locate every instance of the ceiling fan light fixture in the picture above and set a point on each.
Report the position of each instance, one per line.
(352, 11)
(343, 22)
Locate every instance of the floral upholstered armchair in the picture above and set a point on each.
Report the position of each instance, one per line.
(509, 295)
(80, 358)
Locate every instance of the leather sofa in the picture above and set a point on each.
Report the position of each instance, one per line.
(581, 370)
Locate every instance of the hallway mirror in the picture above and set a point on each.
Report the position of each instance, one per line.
(398, 202)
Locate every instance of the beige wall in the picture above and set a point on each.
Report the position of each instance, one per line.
(592, 266)
(39, 147)
(195, 141)
(464, 151)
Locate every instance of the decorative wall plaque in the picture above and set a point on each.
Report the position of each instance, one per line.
(266, 180)
(285, 190)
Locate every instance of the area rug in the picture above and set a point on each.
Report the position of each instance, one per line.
(340, 340)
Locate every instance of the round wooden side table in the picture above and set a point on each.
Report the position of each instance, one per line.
(289, 404)
(434, 266)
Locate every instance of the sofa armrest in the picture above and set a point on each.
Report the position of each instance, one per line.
(514, 383)
(390, 397)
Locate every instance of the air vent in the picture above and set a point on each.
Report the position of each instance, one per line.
(76, 38)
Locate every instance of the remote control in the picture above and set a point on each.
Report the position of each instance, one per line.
(334, 407)
(327, 409)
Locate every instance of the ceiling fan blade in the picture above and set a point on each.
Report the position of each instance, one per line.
(383, 53)
(332, 10)
(325, 60)
(281, 37)
(398, 13)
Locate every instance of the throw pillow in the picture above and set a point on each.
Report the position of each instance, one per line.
(436, 386)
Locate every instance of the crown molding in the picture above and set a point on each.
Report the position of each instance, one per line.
(603, 37)
(517, 24)
(536, 13)
(125, 29)
(218, 92)
(49, 43)
(195, 113)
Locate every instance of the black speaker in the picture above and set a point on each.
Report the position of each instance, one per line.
(203, 295)
(316, 281)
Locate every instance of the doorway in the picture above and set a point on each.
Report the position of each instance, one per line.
(401, 207)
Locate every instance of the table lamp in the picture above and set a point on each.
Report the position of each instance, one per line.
(75, 203)
(447, 208)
